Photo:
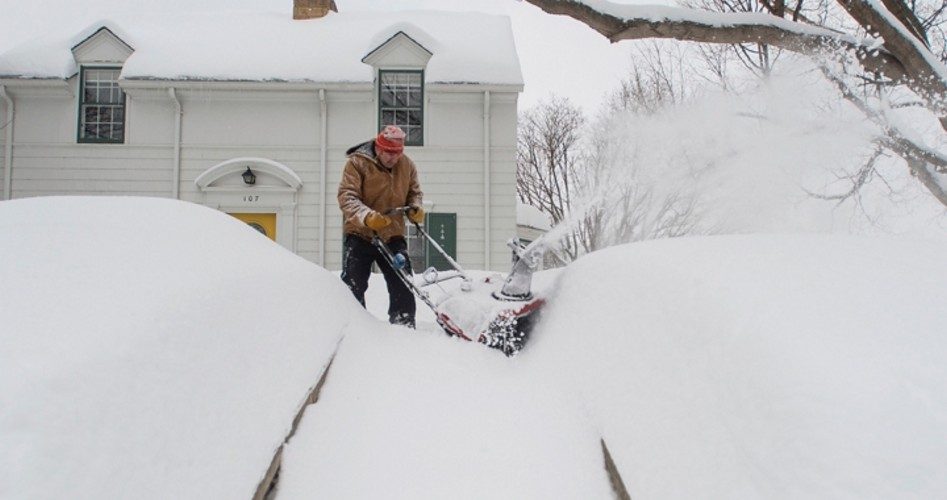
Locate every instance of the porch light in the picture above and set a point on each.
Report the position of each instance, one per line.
(249, 177)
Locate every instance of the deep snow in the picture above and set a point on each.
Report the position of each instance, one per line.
(153, 348)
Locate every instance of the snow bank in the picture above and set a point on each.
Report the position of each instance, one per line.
(759, 366)
(158, 349)
(419, 415)
(151, 348)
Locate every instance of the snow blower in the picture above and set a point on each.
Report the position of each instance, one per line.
(498, 315)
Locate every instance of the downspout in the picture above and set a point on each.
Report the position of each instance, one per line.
(324, 158)
(486, 179)
(8, 145)
(176, 172)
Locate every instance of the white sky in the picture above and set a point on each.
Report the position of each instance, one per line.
(557, 54)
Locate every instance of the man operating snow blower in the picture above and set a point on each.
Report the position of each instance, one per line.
(377, 177)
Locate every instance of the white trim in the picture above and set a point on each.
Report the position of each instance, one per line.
(238, 165)
(110, 47)
(310, 86)
(240, 198)
(449, 87)
(176, 172)
(8, 144)
(324, 161)
(486, 180)
(400, 40)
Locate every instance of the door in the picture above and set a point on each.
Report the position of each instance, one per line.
(264, 223)
(443, 228)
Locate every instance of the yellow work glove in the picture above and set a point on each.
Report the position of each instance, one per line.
(376, 221)
(416, 214)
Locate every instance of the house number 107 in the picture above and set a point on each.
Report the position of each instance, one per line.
(251, 197)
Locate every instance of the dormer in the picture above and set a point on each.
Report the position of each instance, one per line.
(400, 51)
(101, 101)
(102, 47)
(399, 64)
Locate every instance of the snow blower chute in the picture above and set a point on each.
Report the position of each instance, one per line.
(498, 315)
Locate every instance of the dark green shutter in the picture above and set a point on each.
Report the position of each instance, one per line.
(443, 228)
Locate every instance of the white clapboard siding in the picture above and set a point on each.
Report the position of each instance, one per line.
(285, 127)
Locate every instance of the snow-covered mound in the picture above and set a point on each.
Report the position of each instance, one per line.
(151, 348)
(759, 366)
(421, 415)
(157, 349)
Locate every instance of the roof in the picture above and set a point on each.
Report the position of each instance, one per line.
(467, 47)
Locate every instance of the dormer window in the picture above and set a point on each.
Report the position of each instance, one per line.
(400, 100)
(101, 106)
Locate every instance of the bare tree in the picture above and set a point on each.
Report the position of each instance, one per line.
(658, 77)
(899, 55)
(620, 202)
(547, 158)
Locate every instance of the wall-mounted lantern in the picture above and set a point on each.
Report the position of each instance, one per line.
(249, 178)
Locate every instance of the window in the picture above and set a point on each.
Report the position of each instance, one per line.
(101, 106)
(400, 101)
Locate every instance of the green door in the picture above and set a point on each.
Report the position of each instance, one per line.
(443, 228)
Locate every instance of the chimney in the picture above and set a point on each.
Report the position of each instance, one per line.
(312, 9)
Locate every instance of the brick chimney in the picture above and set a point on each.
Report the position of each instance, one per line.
(312, 9)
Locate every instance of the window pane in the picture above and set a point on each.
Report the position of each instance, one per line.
(400, 102)
(102, 106)
(414, 135)
(387, 98)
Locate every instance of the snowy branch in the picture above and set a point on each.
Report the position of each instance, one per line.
(721, 27)
(901, 53)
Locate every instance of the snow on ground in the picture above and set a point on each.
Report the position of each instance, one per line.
(768, 366)
(157, 349)
(419, 415)
(151, 349)
(759, 366)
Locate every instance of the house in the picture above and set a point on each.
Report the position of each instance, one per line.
(251, 113)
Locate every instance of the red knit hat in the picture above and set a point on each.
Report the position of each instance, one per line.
(390, 139)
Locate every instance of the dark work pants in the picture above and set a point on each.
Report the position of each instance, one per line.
(357, 257)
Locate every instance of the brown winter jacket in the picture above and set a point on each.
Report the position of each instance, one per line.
(368, 185)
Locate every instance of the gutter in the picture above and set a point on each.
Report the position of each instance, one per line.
(176, 169)
(8, 145)
(324, 159)
(486, 179)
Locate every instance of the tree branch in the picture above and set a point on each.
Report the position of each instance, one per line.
(722, 27)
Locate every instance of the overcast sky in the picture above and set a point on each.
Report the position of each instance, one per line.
(558, 55)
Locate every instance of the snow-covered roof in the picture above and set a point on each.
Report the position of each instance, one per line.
(467, 47)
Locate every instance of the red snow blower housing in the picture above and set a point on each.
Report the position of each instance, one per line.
(498, 315)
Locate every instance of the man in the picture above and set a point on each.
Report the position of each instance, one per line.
(378, 177)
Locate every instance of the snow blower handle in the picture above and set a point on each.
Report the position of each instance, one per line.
(403, 211)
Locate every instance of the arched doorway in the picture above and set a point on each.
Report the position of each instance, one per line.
(261, 192)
